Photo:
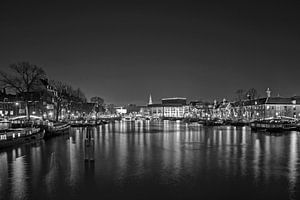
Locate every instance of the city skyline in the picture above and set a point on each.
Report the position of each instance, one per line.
(122, 52)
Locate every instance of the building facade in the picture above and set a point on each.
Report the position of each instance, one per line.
(168, 108)
(259, 108)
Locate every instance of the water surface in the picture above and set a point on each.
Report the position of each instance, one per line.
(157, 160)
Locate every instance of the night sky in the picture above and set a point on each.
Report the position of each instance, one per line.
(122, 52)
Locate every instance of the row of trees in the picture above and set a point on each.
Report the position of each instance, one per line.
(25, 78)
(250, 94)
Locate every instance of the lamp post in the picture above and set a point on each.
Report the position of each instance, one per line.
(17, 107)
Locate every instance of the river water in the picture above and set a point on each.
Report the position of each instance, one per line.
(155, 160)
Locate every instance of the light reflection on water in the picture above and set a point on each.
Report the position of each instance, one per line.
(140, 159)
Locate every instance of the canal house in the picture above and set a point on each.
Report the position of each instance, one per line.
(260, 108)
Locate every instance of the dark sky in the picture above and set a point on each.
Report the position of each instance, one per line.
(125, 51)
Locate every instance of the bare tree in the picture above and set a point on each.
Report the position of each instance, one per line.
(252, 93)
(99, 104)
(59, 87)
(240, 94)
(65, 94)
(23, 79)
(97, 100)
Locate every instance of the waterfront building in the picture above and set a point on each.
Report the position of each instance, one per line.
(259, 108)
(200, 109)
(268, 107)
(175, 107)
(39, 103)
(222, 109)
(121, 110)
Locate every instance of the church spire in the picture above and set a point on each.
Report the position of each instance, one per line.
(150, 100)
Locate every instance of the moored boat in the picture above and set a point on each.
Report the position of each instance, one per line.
(12, 137)
(56, 129)
(238, 123)
(273, 125)
(211, 122)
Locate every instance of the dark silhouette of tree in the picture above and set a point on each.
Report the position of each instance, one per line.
(23, 79)
(59, 87)
(97, 100)
(65, 94)
(252, 94)
(240, 94)
(99, 104)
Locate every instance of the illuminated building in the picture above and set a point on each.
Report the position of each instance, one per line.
(259, 108)
(169, 108)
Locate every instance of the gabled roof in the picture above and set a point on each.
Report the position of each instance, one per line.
(155, 105)
(269, 100)
(279, 100)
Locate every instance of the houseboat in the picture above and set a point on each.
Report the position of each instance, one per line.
(56, 128)
(12, 137)
(279, 124)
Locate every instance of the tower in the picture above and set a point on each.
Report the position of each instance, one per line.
(268, 93)
(150, 100)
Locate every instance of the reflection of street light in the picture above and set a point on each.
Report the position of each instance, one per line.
(17, 103)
